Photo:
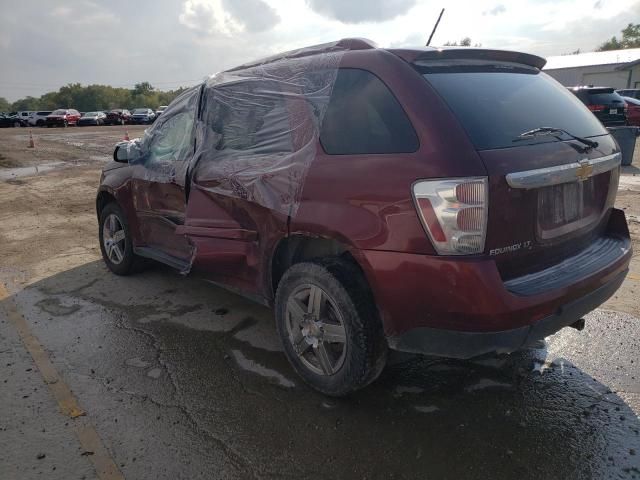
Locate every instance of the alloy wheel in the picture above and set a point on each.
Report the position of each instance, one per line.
(113, 238)
(316, 329)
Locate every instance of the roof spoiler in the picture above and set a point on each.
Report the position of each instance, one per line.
(481, 54)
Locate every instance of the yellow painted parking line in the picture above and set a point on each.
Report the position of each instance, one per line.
(633, 276)
(106, 468)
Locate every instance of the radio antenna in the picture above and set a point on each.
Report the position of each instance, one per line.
(435, 27)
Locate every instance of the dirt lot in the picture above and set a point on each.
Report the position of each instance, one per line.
(183, 380)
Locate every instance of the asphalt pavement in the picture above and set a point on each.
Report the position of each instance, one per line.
(181, 379)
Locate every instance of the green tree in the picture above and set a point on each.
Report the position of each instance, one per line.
(27, 103)
(465, 42)
(95, 97)
(5, 106)
(143, 88)
(630, 39)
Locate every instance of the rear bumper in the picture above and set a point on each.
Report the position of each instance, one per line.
(457, 344)
(419, 295)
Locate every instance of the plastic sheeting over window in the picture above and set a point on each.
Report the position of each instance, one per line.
(260, 125)
(166, 148)
(250, 133)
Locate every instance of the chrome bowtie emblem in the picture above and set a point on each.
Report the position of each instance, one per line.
(584, 171)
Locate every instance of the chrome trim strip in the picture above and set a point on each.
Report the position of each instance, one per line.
(543, 177)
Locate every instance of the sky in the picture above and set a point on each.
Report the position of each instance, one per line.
(45, 44)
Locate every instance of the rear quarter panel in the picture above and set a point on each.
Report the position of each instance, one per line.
(365, 201)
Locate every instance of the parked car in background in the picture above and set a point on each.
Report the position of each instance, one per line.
(143, 116)
(38, 119)
(63, 117)
(8, 120)
(17, 119)
(498, 229)
(629, 92)
(24, 117)
(633, 111)
(118, 116)
(605, 103)
(160, 109)
(92, 118)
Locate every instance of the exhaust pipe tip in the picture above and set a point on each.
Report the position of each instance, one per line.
(578, 325)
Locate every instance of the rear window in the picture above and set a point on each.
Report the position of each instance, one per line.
(605, 98)
(363, 117)
(495, 106)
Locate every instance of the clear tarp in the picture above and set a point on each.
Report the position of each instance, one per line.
(256, 129)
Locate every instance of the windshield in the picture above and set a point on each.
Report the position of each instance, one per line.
(59, 112)
(90, 114)
(140, 110)
(495, 107)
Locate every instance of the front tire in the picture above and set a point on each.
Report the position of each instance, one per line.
(329, 327)
(115, 240)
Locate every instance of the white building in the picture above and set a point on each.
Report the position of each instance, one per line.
(615, 68)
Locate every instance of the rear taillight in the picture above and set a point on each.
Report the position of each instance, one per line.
(596, 108)
(454, 213)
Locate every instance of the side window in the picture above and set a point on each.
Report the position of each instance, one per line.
(172, 141)
(363, 117)
(251, 117)
(171, 137)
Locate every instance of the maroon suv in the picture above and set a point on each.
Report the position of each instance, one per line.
(451, 202)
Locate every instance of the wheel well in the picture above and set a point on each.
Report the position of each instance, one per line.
(300, 248)
(104, 198)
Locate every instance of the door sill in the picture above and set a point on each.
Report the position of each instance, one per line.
(158, 255)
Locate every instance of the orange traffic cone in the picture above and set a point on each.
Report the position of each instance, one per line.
(31, 143)
(126, 135)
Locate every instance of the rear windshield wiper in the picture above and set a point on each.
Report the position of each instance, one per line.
(536, 132)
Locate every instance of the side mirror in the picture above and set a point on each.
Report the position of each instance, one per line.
(120, 154)
(128, 151)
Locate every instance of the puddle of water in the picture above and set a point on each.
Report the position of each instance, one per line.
(137, 362)
(254, 367)
(491, 362)
(10, 173)
(401, 390)
(426, 408)
(487, 383)
(54, 307)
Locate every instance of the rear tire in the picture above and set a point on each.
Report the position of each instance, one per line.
(329, 326)
(115, 240)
